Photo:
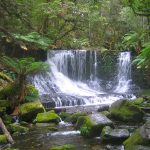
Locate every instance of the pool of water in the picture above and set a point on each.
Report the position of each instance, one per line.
(43, 139)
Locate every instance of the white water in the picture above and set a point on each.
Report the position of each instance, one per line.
(124, 73)
(73, 79)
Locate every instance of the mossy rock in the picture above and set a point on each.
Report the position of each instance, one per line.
(3, 139)
(18, 128)
(106, 113)
(126, 111)
(65, 116)
(92, 125)
(75, 117)
(64, 147)
(28, 111)
(139, 137)
(80, 122)
(138, 101)
(116, 136)
(47, 117)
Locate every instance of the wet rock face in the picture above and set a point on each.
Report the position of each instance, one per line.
(100, 119)
(126, 111)
(114, 135)
(140, 136)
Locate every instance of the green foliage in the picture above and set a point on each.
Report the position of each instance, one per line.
(85, 131)
(143, 59)
(34, 38)
(31, 94)
(3, 139)
(5, 77)
(131, 39)
(23, 66)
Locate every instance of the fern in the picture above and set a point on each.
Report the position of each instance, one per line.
(35, 38)
(143, 60)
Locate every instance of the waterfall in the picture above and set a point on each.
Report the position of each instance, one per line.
(73, 79)
(124, 73)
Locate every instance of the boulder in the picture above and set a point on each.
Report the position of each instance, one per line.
(47, 117)
(114, 135)
(93, 124)
(140, 136)
(28, 111)
(16, 128)
(126, 111)
(3, 139)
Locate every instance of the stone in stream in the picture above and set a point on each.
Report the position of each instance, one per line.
(116, 136)
(141, 136)
(126, 111)
(48, 117)
(92, 125)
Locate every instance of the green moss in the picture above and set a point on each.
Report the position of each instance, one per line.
(106, 113)
(28, 111)
(3, 139)
(135, 139)
(80, 122)
(64, 147)
(47, 117)
(138, 101)
(65, 116)
(75, 117)
(88, 129)
(127, 112)
(18, 128)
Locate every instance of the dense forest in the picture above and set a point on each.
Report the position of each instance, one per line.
(29, 29)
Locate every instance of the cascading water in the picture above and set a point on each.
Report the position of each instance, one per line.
(73, 79)
(124, 73)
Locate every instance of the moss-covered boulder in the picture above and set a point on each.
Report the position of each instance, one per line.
(126, 111)
(64, 147)
(28, 111)
(92, 125)
(75, 116)
(115, 136)
(65, 116)
(16, 128)
(140, 136)
(3, 139)
(47, 117)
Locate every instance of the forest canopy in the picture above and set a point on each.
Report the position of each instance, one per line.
(73, 23)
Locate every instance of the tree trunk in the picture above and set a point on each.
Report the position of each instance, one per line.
(5, 131)
(22, 86)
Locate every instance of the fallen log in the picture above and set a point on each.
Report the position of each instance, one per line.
(5, 131)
